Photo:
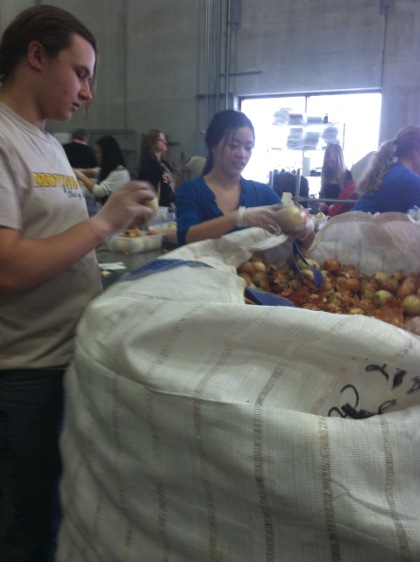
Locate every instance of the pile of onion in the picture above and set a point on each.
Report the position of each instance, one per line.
(392, 298)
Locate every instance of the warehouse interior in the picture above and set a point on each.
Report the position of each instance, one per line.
(220, 361)
(163, 63)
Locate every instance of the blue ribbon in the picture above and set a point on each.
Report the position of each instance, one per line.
(297, 246)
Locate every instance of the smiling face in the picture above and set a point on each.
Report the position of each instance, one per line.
(232, 153)
(67, 80)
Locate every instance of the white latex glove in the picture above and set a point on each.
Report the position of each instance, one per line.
(264, 217)
(302, 232)
(124, 209)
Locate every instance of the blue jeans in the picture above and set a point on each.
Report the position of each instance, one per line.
(31, 405)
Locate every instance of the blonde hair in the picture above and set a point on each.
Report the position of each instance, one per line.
(327, 175)
(406, 140)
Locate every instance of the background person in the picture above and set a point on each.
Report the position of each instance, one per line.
(78, 152)
(82, 156)
(222, 201)
(155, 168)
(48, 269)
(336, 182)
(112, 173)
(392, 182)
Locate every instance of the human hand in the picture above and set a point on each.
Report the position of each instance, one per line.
(263, 217)
(302, 230)
(78, 174)
(166, 178)
(323, 207)
(124, 209)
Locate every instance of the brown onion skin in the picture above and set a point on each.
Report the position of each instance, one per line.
(331, 265)
(352, 285)
(369, 290)
(405, 290)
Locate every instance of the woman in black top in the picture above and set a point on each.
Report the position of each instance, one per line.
(154, 168)
(334, 174)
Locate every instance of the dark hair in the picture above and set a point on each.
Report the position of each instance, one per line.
(112, 156)
(406, 140)
(80, 134)
(148, 141)
(51, 26)
(221, 125)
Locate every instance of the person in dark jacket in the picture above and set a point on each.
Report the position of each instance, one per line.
(79, 154)
(155, 168)
(285, 182)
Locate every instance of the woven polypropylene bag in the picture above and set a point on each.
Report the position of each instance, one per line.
(201, 429)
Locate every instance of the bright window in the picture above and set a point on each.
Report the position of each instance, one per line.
(357, 116)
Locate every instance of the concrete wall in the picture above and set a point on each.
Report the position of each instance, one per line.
(152, 58)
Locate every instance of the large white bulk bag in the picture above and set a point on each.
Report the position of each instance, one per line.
(200, 429)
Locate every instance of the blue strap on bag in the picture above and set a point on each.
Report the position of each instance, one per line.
(297, 247)
(157, 266)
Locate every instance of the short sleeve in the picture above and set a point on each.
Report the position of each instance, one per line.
(10, 208)
(116, 179)
(187, 210)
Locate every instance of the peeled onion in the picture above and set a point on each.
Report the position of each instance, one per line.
(247, 267)
(411, 305)
(381, 276)
(290, 217)
(152, 204)
(260, 266)
(381, 297)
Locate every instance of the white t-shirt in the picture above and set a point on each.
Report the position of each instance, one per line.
(39, 196)
(117, 178)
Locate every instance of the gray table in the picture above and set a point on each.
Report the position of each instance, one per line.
(132, 262)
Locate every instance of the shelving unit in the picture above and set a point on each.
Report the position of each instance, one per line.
(309, 138)
(306, 138)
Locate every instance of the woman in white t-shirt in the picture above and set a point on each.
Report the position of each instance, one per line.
(112, 173)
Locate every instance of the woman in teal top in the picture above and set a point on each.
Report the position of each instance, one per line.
(222, 200)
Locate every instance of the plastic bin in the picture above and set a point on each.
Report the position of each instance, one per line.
(169, 233)
(135, 245)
